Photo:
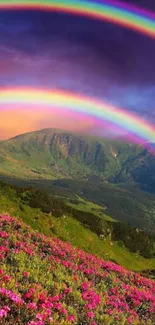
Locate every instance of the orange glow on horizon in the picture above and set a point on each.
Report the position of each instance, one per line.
(15, 121)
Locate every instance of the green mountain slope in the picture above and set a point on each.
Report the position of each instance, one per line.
(57, 154)
(51, 154)
(53, 217)
(126, 203)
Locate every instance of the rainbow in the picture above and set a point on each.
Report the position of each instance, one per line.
(114, 12)
(91, 107)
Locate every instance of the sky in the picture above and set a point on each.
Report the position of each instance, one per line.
(58, 51)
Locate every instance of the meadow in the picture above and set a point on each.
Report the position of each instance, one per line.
(53, 217)
(46, 281)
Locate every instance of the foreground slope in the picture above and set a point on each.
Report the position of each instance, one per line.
(91, 232)
(45, 281)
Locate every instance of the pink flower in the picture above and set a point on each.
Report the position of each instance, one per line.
(7, 278)
(90, 314)
(3, 313)
(32, 305)
(16, 251)
(63, 311)
(51, 319)
(58, 305)
(54, 298)
(38, 322)
(67, 290)
(25, 274)
(130, 320)
(29, 294)
(42, 297)
(4, 234)
(12, 296)
(6, 308)
(40, 317)
(71, 318)
(85, 285)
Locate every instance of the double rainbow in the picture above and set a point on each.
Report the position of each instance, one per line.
(114, 12)
(90, 107)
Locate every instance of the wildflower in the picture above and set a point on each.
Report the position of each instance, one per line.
(67, 290)
(58, 305)
(130, 320)
(50, 319)
(31, 305)
(63, 311)
(4, 311)
(7, 278)
(71, 318)
(25, 274)
(90, 314)
(85, 285)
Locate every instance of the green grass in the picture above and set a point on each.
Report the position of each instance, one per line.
(70, 230)
(87, 206)
(125, 203)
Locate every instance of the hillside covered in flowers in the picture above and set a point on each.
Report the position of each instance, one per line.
(46, 281)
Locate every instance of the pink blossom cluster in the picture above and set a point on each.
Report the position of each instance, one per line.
(68, 285)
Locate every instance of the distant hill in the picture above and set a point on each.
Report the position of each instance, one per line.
(52, 153)
(111, 173)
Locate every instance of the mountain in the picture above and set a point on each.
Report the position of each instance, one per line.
(120, 176)
(78, 288)
(57, 154)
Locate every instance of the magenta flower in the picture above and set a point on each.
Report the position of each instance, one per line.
(25, 274)
(90, 314)
(32, 305)
(71, 318)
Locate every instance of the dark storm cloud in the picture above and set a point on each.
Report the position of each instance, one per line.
(127, 55)
(147, 4)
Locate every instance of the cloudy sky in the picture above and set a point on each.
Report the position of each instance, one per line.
(49, 50)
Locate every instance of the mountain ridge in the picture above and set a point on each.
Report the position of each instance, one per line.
(91, 151)
(112, 173)
(69, 154)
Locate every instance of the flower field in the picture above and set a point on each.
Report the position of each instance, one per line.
(46, 281)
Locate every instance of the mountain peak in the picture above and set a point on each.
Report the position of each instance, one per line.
(53, 153)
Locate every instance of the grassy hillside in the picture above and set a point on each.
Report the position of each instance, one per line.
(56, 154)
(45, 281)
(54, 218)
(126, 203)
(87, 206)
